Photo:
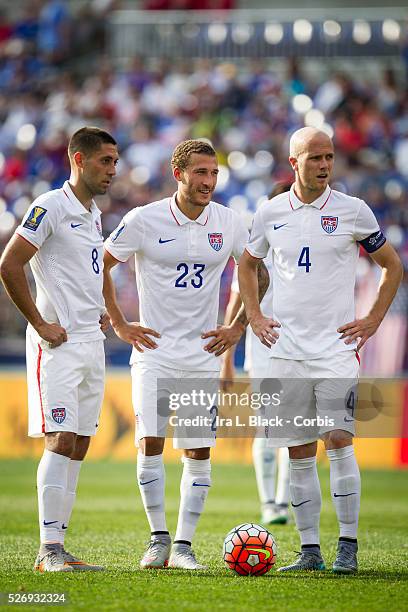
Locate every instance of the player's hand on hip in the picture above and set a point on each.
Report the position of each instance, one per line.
(222, 338)
(137, 335)
(104, 322)
(52, 333)
(264, 329)
(360, 328)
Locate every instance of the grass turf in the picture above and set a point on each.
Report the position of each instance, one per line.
(109, 527)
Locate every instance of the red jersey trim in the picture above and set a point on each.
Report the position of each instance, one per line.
(327, 199)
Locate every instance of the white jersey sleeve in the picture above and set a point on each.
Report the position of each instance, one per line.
(258, 245)
(128, 237)
(240, 238)
(40, 221)
(366, 229)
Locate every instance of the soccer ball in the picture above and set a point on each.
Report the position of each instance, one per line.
(249, 549)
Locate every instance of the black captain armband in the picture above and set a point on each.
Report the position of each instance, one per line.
(373, 243)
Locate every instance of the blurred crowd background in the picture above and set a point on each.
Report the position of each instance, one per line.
(57, 74)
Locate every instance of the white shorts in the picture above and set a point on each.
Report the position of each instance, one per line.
(316, 396)
(154, 389)
(65, 386)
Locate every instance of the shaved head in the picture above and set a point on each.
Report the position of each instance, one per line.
(311, 157)
(302, 140)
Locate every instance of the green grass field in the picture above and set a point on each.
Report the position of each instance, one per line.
(109, 527)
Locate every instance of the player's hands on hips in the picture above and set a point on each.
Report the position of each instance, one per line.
(137, 335)
(264, 329)
(360, 328)
(222, 338)
(52, 333)
(104, 322)
(227, 371)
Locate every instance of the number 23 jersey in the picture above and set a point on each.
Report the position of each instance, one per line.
(315, 249)
(179, 263)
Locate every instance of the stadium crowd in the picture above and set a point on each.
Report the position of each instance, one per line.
(246, 110)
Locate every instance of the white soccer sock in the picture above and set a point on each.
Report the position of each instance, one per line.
(264, 458)
(151, 479)
(194, 486)
(306, 498)
(74, 467)
(345, 487)
(282, 487)
(51, 486)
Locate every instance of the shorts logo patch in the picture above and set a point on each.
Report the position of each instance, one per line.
(216, 241)
(58, 414)
(34, 218)
(329, 224)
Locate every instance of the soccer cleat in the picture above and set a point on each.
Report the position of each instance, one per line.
(183, 557)
(275, 515)
(50, 559)
(307, 561)
(157, 553)
(78, 565)
(346, 558)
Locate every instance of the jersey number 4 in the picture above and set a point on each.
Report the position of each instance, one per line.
(196, 280)
(304, 259)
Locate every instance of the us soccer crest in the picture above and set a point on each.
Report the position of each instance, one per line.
(58, 414)
(329, 224)
(216, 241)
(99, 228)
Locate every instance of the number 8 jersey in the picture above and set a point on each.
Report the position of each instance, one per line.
(315, 249)
(179, 263)
(67, 266)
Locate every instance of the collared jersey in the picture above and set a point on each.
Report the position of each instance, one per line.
(68, 265)
(315, 250)
(179, 263)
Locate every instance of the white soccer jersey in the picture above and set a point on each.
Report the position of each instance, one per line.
(179, 263)
(256, 353)
(68, 266)
(315, 249)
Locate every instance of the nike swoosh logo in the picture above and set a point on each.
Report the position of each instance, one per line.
(261, 550)
(49, 523)
(197, 484)
(74, 225)
(147, 481)
(64, 526)
(346, 420)
(344, 494)
(275, 227)
(301, 503)
(161, 241)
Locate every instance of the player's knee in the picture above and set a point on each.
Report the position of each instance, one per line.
(61, 442)
(303, 451)
(197, 453)
(150, 446)
(338, 438)
(80, 448)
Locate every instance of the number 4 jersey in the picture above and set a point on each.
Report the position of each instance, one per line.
(67, 266)
(315, 249)
(179, 263)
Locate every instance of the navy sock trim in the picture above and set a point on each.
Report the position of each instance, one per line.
(306, 546)
(159, 533)
(182, 542)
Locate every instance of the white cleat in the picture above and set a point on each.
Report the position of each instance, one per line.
(275, 515)
(50, 559)
(183, 557)
(157, 553)
(78, 565)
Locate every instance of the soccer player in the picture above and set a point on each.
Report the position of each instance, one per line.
(268, 461)
(315, 234)
(61, 237)
(182, 245)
